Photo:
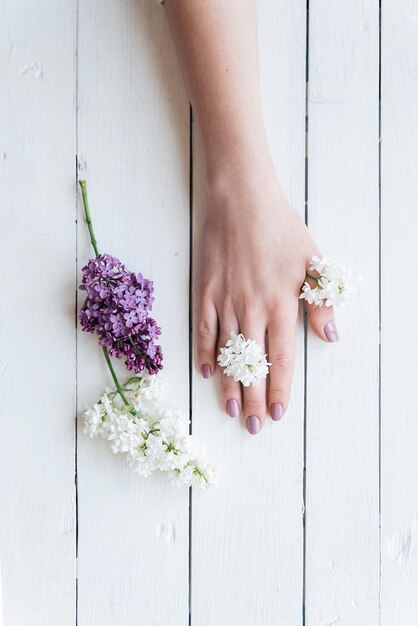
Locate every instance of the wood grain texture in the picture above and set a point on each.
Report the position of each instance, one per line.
(133, 151)
(101, 79)
(342, 457)
(399, 197)
(37, 338)
(247, 533)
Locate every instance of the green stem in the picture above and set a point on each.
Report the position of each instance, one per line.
(315, 278)
(116, 381)
(88, 216)
(83, 186)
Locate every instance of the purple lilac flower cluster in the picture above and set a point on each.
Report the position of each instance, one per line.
(117, 309)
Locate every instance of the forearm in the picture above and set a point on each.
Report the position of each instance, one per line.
(216, 42)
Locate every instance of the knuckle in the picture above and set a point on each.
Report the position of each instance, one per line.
(204, 329)
(249, 309)
(254, 406)
(282, 361)
(278, 392)
(227, 382)
(229, 390)
(203, 354)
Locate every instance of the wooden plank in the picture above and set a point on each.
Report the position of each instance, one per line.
(247, 536)
(37, 363)
(342, 523)
(399, 165)
(133, 151)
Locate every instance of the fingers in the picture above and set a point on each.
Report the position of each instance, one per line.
(230, 390)
(321, 320)
(207, 329)
(254, 398)
(281, 354)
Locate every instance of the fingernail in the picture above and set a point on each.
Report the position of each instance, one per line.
(276, 411)
(206, 371)
(253, 424)
(331, 332)
(232, 407)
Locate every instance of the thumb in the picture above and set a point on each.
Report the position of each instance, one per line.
(322, 322)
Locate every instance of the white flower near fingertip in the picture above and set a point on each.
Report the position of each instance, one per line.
(244, 360)
(335, 285)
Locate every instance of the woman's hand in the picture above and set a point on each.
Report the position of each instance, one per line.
(255, 248)
(254, 253)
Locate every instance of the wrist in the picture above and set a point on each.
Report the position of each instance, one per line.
(247, 171)
(236, 160)
(246, 189)
(230, 135)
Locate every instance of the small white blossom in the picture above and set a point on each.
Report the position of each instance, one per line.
(106, 404)
(172, 422)
(243, 359)
(152, 437)
(311, 294)
(93, 421)
(334, 284)
(145, 390)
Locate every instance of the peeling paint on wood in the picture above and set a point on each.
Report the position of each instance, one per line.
(31, 68)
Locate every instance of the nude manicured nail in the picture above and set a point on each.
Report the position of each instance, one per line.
(276, 411)
(253, 424)
(206, 371)
(331, 332)
(232, 407)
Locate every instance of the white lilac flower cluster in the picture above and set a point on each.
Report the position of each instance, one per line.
(151, 436)
(243, 359)
(334, 284)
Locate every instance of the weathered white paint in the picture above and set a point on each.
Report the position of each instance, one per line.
(128, 114)
(133, 135)
(37, 337)
(399, 159)
(342, 456)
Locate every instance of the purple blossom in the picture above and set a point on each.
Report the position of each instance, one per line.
(117, 309)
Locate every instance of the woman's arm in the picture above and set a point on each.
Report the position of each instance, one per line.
(255, 249)
(217, 47)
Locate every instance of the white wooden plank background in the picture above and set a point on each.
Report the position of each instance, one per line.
(37, 366)
(399, 478)
(342, 450)
(314, 522)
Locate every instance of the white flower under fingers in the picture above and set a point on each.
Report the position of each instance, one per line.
(243, 359)
(334, 285)
(152, 437)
